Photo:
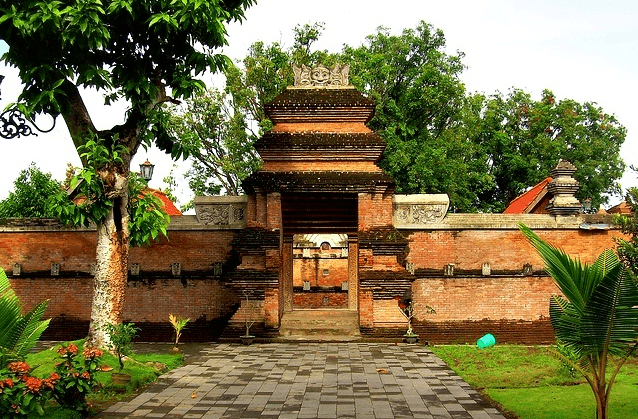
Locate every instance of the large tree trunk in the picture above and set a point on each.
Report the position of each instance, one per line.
(111, 273)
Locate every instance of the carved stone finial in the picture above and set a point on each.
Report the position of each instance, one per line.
(563, 187)
(321, 76)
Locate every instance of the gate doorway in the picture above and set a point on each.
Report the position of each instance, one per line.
(320, 254)
(320, 271)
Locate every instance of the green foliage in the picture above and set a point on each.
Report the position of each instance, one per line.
(148, 218)
(482, 151)
(22, 395)
(122, 48)
(18, 332)
(92, 188)
(76, 377)
(143, 368)
(121, 339)
(597, 317)
(31, 190)
(519, 140)
(531, 383)
(218, 128)
(505, 366)
(172, 184)
(628, 249)
(419, 99)
(564, 402)
(215, 134)
(130, 50)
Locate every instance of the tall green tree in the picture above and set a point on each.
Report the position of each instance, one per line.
(520, 140)
(219, 141)
(420, 102)
(145, 52)
(482, 150)
(218, 128)
(31, 191)
(596, 318)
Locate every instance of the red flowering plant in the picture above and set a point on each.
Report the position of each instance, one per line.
(22, 395)
(76, 377)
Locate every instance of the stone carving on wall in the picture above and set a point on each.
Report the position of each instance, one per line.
(221, 211)
(214, 214)
(321, 76)
(417, 210)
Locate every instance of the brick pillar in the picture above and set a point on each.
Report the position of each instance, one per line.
(271, 308)
(251, 210)
(273, 204)
(353, 272)
(366, 309)
(286, 274)
(261, 209)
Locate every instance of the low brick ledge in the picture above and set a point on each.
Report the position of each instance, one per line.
(511, 221)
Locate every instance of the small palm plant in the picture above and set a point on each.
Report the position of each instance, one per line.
(178, 324)
(18, 332)
(597, 317)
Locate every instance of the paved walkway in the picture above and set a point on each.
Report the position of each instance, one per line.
(309, 380)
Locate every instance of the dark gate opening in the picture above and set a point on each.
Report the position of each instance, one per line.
(308, 213)
(319, 224)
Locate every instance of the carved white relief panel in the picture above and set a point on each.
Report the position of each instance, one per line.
(418, 210)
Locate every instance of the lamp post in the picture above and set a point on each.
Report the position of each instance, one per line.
(146, 170)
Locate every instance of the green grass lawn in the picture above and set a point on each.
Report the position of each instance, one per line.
(143, 368)
(532, 384)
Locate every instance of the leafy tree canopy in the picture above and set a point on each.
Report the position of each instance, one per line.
(145, 52)
(31, 191)
(482, 150)
(218, 128)
(520, 140)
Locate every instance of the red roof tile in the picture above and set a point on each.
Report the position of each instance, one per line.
(622, 208)
(524, 204)
(167, 204)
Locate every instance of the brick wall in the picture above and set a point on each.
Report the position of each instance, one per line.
(468, 303)
(323, 300)
(375, 210)
(150, 296)
(483, 298)
(314, 165)
(320, 272)
(504, 250)
(387, 314)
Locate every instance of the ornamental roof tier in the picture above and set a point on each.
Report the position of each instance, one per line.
(328, 181)
(319, 141)
(320, 104)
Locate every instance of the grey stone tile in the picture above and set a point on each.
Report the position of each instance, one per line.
(310, 380)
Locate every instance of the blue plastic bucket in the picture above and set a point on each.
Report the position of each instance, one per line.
(486, 341)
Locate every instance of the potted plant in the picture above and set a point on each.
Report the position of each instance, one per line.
(247, 339)
(407, 309)
(121, 342)
(178, 324)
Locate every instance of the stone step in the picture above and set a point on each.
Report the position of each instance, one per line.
(320, 324)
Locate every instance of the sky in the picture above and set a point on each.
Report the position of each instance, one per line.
(582, 50)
